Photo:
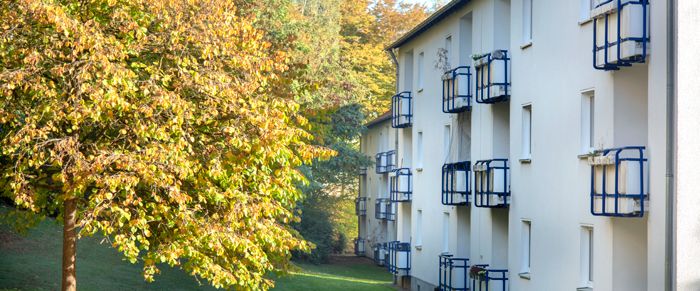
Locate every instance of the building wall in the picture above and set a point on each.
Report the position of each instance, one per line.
(378, 138)
(550, 188)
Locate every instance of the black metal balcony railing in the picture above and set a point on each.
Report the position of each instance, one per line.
(399, 258)
(401, 186)
(361, 206)
(620, 33)
(402, 110)
(362, 171)
(384, 209)
(454, 273)
(488, 279)
(385, 162)
(492, 77)
(491, 183)
(456, 181)
(619, 182)
(380, 254)
(456, 90)
(359, 246)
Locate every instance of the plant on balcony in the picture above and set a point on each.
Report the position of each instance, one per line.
(478, 56)
(477, 272)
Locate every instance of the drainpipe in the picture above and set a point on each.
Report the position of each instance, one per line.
(671, 39)
(392, 54)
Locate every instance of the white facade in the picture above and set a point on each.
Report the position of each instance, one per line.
(375, 228)
(560, 110)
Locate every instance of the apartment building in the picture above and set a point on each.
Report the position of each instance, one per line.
(525, 149)
(376, 213)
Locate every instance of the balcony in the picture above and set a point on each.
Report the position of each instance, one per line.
(401, 186)
(402, 110)
(381, 254)
(456, 183)
(453, 273)
(492, 77)
(399, 258)
(385, 162)
(620, 182)
(362, 171)
(384, 209)
(488, 279)
(361, 206)
(620, 33)
(359, 246)
(491, 183)
(456, 90)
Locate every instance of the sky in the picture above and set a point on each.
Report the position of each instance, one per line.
(428, 2)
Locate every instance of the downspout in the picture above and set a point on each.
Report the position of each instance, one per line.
(671, 39)
(392, 54)
(396, 65)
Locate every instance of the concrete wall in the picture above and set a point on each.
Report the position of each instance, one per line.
(688, 138)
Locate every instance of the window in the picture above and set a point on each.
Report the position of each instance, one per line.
(447, 141)
(419, 228)
(446, 232)
(419, 150)
(421, 58)
(586, 272)
(527, 21)
(527, 133)
(448, 52)
(585, 14)
(526, 240)
(408, 71)
(587, 122)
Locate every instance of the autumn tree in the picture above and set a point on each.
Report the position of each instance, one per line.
(157, 124)
(342, 78)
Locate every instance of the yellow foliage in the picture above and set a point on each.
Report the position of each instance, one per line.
(159, 117)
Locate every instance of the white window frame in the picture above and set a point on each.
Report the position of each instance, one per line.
(419, 151)
(526, 134)
(419, 228)
(445, 232)
(447, 141)
(526, 250)
(419, 70)
(448, 48)
(587, 264)
(587, 145)
(527, 23)
(585, 11)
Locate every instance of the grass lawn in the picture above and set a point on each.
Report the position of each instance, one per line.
(346, 273)
(33, 262)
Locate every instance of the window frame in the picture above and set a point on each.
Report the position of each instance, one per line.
(526, 142)
(526, 248)
(587, 128)
(527, 23)
(586, 257)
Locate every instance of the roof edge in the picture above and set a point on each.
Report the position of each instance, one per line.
(438, 15)
(381, 118)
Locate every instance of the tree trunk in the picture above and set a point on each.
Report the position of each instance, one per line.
(69, 245)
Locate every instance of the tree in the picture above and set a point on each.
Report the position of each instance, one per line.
(157, 124)
(343, 77)
(332, 182)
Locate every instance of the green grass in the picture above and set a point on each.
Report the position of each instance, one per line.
(356, 274)
(33, 262)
